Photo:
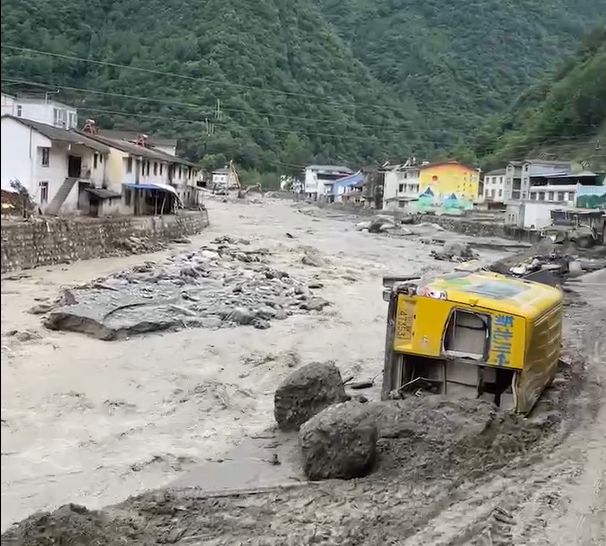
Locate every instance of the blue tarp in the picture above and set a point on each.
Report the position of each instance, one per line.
(346, 182)
(154, 186)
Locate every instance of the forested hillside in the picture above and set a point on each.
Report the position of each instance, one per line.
(276, 83)
(461, 59)
(564, 115)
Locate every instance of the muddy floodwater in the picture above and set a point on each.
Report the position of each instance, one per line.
(94, 421)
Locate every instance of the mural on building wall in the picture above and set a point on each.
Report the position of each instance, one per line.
(446, 188)
(591, 197)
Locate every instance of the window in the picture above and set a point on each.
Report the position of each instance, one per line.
(129, 164)
(147, 170)
(95, 160)
(401, 188)
(59, 117)
(127, 194)
(567, 196)
(73, 120)
(401, 204)
(19, 110)
(501, 180)
(550, 196)
(161, 168)
(179, 171)
(155, 168)
(491, 193)
(45, 159)
(100, 158)
(541, 196)
(500, 193)
(560, 196)
(533, 195)
(43, 192)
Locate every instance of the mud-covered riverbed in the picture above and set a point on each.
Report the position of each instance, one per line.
(93, 421)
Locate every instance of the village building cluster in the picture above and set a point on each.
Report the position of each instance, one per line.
(73, 167)
(524, 192)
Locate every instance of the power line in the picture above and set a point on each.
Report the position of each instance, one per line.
(391, 132)
(322, 98)
(512, 149)
(178, 103)
(185, 77)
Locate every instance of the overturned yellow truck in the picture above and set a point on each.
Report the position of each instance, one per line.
(472, 333)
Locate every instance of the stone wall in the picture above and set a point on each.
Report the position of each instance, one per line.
(469, 226)
(46, 241)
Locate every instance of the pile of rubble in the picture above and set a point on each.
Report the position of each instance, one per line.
(224, 283)
(562, 261)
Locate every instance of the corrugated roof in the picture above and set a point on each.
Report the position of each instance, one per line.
(102, 193)
(142, 151)
(62, 135)
(335, 168)
(438, 163)
(132, 135)
(582, 174)
(548, 161)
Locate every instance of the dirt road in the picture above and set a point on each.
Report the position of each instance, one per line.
(92, 422)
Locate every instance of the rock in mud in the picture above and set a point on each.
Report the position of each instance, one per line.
(314, 304)
(339, 442)
(313, 258)
(306, 392)
(454, 251)
(381, 223)
(41, 308)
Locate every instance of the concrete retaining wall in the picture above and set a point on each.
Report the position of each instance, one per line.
(58, 240)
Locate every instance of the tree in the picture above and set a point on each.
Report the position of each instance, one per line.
(295, 154)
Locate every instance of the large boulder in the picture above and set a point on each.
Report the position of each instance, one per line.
(455, 251)
(381, 223)
(307, 391)
(339, 442)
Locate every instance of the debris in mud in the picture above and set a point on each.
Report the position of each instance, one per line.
(454, 251)
(339, 442)
(313, 258)
(73, 524)
(24, 335)
(41, 308)
(219, 285)
(305, 392)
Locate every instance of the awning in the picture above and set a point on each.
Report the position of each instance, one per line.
(103, 193)
(154, 186)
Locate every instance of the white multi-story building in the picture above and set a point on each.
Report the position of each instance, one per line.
(521, 175)
(42, 110)
(494, 186)
(53, 164)
(320, 179)
(400, 185)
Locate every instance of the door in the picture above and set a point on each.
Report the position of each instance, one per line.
(74, 166)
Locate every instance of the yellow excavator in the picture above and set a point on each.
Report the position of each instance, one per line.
(478, 334)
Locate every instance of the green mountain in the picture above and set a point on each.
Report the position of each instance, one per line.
(460, 59)
(274, 84)
(563, 116)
